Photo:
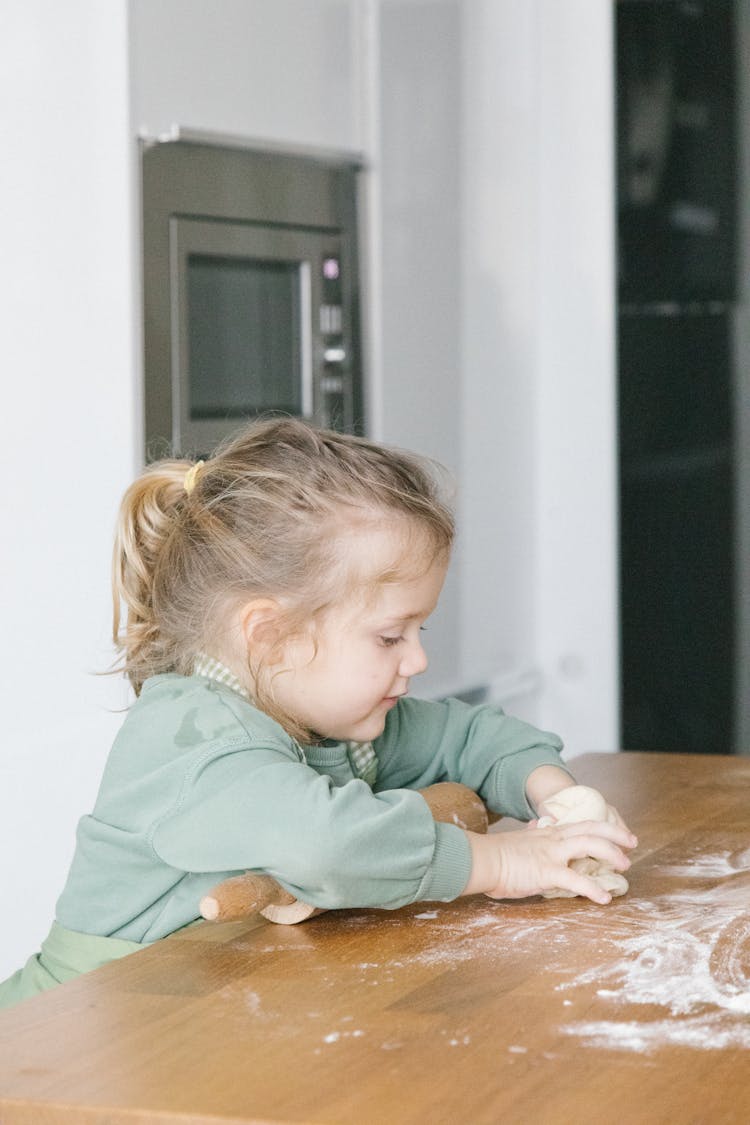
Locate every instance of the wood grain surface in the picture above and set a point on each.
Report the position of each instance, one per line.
(538, 1011)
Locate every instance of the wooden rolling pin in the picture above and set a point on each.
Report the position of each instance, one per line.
(253, 893)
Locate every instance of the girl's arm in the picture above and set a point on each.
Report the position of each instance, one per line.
(515, 767)
(495, 754)
(331, 846)
(544, 782)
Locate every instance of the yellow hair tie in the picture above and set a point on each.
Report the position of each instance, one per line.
(191, 476)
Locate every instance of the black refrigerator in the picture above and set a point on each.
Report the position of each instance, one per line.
(676, 227)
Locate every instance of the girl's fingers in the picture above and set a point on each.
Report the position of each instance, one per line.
(601, 829)
(579, 847)
(583, 885)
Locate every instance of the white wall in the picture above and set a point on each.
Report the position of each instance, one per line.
(538, 370)
(500, 279)
(415, 377)
(284, 70)
(577, 517)
(67, 430)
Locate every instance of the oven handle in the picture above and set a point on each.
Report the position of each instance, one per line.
(306, 339)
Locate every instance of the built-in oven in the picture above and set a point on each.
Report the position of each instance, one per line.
(250, 288)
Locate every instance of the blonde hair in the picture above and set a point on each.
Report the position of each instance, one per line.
(263, 517)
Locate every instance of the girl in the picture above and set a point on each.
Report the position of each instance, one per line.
(273, 603)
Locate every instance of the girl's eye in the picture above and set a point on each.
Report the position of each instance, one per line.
(390, 641)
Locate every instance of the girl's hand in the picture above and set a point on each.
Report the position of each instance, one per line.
(546, 782)
(587, 804)
(521, 863)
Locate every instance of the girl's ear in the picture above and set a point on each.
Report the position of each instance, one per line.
(259, 622)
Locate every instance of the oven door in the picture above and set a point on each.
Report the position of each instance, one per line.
(254, 325)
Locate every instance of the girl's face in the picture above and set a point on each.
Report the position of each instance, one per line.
(343, 685)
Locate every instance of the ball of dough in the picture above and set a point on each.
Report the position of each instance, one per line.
(570, 806)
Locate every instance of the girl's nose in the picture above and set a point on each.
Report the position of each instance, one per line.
(414, 660)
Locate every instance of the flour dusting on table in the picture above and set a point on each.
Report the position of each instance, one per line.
(672, 969)
(689, 955)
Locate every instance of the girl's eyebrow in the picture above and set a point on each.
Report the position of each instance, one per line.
(403, 618)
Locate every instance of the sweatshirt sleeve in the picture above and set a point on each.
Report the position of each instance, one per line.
(330, 846)
(491, 752)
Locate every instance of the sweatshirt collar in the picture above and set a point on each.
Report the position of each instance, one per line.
(212, 669)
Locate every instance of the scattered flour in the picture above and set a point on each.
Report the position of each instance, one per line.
(716, 866)
(705, 1032)
(337, 1036)
(686, 953)
(679, 971)
(673, 969)
(252, 1002)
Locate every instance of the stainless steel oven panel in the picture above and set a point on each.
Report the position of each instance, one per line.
(305, 252)
(237, 192)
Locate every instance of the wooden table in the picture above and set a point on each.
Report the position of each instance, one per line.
(537, 1012)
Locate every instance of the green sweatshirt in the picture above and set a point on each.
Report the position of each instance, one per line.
(200, 785)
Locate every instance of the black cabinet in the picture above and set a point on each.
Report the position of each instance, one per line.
(676, 150)
(676, 284)
(676, 532)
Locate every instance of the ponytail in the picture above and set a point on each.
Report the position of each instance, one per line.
(146, 521)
